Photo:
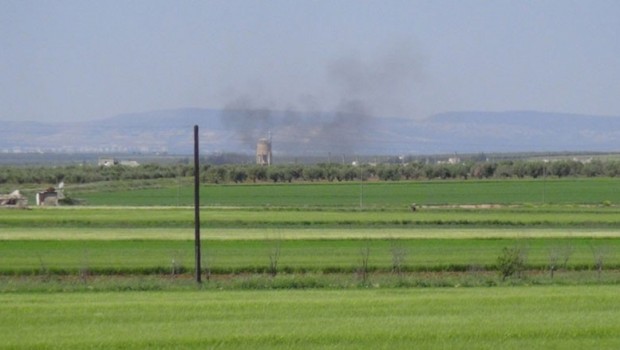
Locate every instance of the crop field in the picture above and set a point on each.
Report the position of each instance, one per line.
(573, 317)
(318, 266)
(365, 194)
(273, 218)
(232, 256)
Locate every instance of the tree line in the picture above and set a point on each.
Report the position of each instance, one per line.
(332, 172)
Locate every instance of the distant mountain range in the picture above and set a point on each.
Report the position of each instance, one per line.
(312, 134)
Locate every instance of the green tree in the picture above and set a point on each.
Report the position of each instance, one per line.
(238, 174)
(216, 175)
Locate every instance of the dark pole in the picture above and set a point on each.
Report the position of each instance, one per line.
(197, 203)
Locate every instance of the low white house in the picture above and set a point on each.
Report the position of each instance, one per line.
(107, 161)
(13, 199)
(48, 197)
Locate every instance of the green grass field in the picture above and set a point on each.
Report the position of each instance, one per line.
(366, 194)
(580, 317)
(119, 274)
(323, 256)
(123, 217)
(145, 240)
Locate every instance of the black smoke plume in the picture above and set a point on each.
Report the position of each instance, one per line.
(343, 121)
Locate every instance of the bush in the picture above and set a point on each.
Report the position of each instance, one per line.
(511, 261)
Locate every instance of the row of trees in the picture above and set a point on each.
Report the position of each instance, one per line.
(413, 171)
(320, 172)
(80, 174)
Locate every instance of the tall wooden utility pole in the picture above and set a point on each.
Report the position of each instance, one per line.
(197, 204)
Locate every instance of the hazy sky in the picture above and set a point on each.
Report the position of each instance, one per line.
(84, 60)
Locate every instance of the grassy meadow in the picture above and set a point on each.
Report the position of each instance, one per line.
(317, 266)
(374, 195)
(136, 217)
(26, 257)
(246, 234)
(571, 317)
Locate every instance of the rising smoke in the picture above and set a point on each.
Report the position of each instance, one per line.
(342, 118)
(248, 121)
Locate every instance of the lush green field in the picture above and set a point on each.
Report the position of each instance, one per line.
(119, 217)
(369, 194)
(370, 262)
(232, 256)
(155, 240)
(579, 317)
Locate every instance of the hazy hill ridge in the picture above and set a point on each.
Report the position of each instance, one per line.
(319, 133)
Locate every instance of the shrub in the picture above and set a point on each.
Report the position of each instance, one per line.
(511, 261)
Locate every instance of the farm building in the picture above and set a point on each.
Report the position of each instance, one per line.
(13, 199)
(113, 161)
(106, 161)
(129, 163)
(48, 197)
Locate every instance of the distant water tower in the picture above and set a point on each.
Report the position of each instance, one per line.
(263, 151)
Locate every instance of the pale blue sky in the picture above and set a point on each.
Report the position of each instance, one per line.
(83, 60)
